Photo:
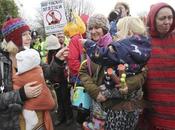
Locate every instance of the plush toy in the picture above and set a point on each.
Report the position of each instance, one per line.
(75, 26)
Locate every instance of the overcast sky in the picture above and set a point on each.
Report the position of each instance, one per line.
(101, 6)
(136, 6)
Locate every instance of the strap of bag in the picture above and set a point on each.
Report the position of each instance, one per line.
(78, 72)
(2, 75)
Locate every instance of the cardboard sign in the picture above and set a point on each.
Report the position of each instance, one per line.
(53, 16)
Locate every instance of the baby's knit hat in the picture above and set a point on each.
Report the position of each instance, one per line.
(12, 30)
(98, 20)
(52, 43)
(27, 60)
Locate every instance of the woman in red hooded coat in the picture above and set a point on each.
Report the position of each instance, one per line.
(160, 86)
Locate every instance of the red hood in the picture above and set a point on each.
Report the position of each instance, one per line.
(151, 18)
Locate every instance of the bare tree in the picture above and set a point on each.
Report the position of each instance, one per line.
(40, 23)
(78, 6)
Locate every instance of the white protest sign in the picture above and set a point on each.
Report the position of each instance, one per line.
(53, 16)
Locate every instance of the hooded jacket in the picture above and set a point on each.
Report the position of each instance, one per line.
(44, 101)
(133, 51)
(160, 85)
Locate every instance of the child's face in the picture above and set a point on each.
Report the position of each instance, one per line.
(26, 39)
(96, 33)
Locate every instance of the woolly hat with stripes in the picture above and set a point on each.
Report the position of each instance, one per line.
(12, 30)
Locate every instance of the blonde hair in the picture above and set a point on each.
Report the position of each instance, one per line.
(129, 26)
(9, 47)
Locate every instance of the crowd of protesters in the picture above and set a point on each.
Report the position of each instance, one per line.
(124, 64)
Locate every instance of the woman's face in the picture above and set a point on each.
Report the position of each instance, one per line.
(164, 20)
(96, 33)
(26, 39)
(123, 10)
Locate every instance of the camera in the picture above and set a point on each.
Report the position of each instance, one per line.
(114, 15)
